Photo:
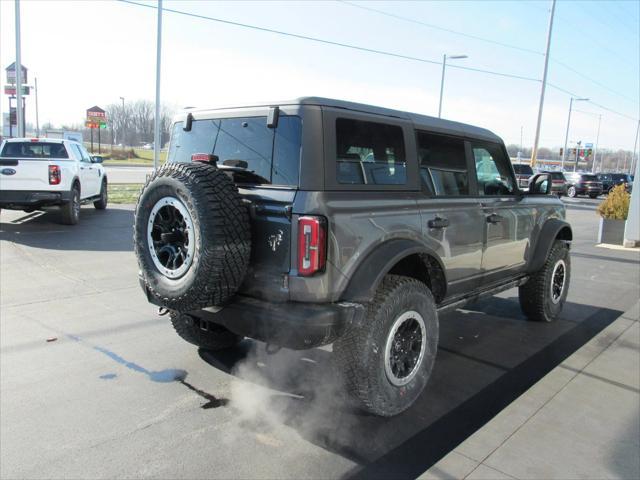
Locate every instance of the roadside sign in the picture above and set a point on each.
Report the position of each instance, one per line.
(11, 90)
(11, 74)
(588, 145)
(96, 112)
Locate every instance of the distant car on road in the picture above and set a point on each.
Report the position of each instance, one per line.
(583, 184)
(610, 180)
(558, 183)
(523, 173)
(41, 172)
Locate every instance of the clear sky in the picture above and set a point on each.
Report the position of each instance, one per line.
(93, 52)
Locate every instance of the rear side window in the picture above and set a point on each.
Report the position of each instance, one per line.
(443, 165)
(34, 150)
(369, 153)
(521, 169)
(272, 154)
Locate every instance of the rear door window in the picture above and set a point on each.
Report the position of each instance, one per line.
(34, 150)
(443, 165)
(369, 153)
(272, 154)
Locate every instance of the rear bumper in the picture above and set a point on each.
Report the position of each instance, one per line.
(19, 199)
(292, 325)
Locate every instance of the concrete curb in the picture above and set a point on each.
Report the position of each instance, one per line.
(580, 421)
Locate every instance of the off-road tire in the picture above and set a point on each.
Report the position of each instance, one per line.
(203, 334)
(359, 354)
(70, 211)
(222, 236)
(535, 295)
(101, 203)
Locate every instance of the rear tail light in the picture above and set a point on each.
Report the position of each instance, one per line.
(312, 245)
(55, 175)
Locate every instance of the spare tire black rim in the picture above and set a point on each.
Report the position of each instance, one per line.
(405, 348)
(171, 237)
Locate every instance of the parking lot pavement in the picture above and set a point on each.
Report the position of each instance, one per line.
(127, 174)
(117, 394)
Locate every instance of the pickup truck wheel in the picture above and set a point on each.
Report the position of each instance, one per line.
(71, 210)
(192, 236)
(101, 203)
(203, 334)
(544, 294)
(387, 360)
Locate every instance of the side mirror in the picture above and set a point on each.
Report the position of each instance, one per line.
(97, 159)
(540, 184)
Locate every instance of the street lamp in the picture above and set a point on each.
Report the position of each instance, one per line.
(566, 137)
(444, 64)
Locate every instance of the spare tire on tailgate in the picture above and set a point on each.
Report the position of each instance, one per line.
(192, 236)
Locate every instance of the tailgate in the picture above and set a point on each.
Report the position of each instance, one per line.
(24, 174)
(271, 244)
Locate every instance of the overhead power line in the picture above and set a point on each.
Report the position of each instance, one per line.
(487, 40)
(363, 49)
(443, 29)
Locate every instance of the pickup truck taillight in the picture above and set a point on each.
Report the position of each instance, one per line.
(312, 245)
(55, 175)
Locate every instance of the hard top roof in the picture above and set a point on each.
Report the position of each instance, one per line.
(424, 121)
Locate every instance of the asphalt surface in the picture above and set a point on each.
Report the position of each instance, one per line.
(116, 393)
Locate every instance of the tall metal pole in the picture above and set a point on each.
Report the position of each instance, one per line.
(634, 160)
(566, 136)
(19, 110)
(595, 150)
(534, 153)
(156, 137)
(444, 64)
(37, 118)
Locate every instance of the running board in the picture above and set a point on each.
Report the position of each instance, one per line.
(481, 294)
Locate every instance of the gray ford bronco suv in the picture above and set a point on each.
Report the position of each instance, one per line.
(319, 221)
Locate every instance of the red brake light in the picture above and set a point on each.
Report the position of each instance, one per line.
(202, 157)
(55, 175)
(312, 245)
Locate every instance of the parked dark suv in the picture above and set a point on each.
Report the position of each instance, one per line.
(610, 180)
(583, 184)
(319, 221)
(523, 173)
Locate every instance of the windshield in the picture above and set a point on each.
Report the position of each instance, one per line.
(272, 154)
(35, 150)
(522, 169)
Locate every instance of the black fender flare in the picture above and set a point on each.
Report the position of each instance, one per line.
(552, 229)
(369, 274)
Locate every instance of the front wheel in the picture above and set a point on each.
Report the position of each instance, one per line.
(102, 201)
(71, 210)
(387, 360)
(571, 192)
(544, 294)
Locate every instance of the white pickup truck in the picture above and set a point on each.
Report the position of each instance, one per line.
(42, 172)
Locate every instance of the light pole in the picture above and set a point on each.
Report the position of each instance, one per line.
(121, 133)
(595, 150)
(566, 137)
(444, 64)
(157, 134)
(19, 79)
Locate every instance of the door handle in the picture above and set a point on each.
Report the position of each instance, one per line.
(494, 218)
(438, 222)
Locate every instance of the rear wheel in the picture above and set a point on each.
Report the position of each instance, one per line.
(387, 360)
(101, 203)
(571, 192)
(207, 335)
(544, 294)
(71, 210)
